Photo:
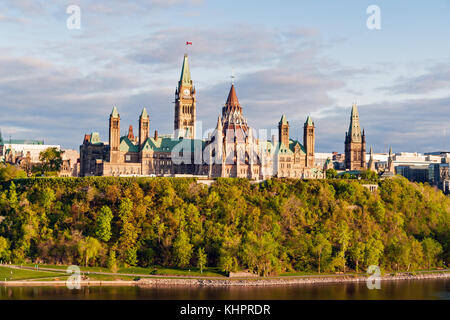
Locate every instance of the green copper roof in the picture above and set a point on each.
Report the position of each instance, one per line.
(95, 138)
(282, 149)
(114, 112)
(283, 120)
(144, 113)
(185, 73)
(21, 141)
(309, 121)
(127, 146)
(166, 144)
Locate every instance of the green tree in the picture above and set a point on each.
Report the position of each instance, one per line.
(88, 249)
(103, 226)
(201, 259)
(182, 250)
(331, 174)
(112, 262)
(369, 175)
(357, 253)
(9, 172)
(321, 248)
(373, 252)
(50, 162)
(431, 249)
(226, 263)
(5, 253)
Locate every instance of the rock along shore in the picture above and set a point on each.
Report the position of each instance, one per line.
(278, 281)
(285, 281)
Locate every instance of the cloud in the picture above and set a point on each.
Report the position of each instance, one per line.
(63, 89)
(409, 125)
(436, 78)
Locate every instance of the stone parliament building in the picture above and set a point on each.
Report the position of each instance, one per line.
(232, 150)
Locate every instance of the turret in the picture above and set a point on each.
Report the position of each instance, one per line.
(371, 161)
(144, 127)
(309, 141)
(114, 135)
(283, 131)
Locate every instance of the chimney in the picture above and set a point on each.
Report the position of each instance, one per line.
(156, 135)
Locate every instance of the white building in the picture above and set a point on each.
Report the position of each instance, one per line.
(21, 148)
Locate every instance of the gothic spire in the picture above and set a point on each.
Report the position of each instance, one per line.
(130, 133)
(232, 100)
(114, 112)
(144, 114)
(354, 130)
(283, 120)
(185, 77)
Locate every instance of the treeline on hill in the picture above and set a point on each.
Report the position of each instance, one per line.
(272, 227)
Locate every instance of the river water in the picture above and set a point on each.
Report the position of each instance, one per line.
(391, 290)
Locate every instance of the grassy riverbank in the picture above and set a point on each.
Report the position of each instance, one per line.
(30, 275)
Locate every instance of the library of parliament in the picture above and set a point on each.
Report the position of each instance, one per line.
(233, 149)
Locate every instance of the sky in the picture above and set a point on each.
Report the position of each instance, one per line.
(296, 58)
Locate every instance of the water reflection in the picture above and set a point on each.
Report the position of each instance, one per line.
(409, 289)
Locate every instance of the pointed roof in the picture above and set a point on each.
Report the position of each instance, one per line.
(354, 130)
(130, 132)
(185, 77)
(144, 113)
(283, 120)
(309, 121)
(114, 112)
(219, 124)
(232, 100)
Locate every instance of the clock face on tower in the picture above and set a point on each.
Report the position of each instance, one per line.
(186, 92)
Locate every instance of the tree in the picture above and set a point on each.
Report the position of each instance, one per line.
(112, 262)
(201, 259)
(88, 249)
(321, 248)
(129, 232)
(373, 252)
(50, 162)
(331, 174)
(431, 249)
(357, 253)
(4, 249)
(9, 172)
(182, 250)
(226, 263)
(103, 227)
(369, 175)
(344, 236)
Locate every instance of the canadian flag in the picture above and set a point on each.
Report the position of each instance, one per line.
(188, 43)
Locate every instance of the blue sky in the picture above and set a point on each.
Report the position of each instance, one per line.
(294, 57)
